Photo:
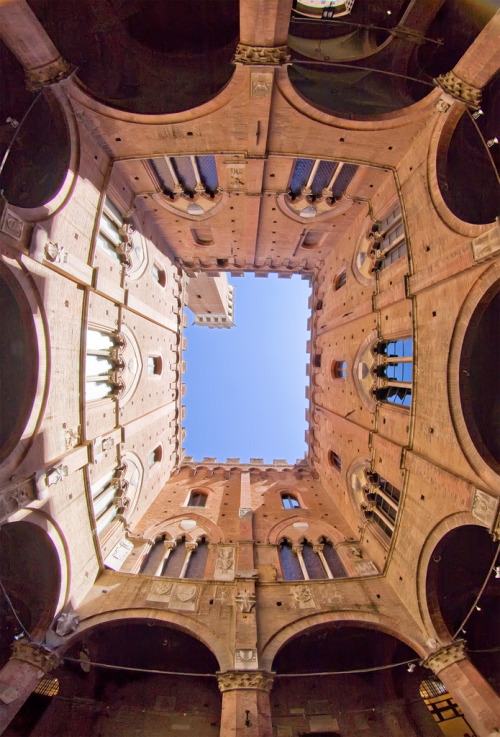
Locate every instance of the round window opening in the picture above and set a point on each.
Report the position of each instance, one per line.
(480, 377)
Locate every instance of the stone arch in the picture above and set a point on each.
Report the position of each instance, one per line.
(314, 530)
(369, 620)
(196, 629)
(172, 530)
(429, 611)
(29, 379)
(470, 432)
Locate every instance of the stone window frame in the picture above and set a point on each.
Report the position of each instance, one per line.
(154, 361)
(285, 496)
(338, 369)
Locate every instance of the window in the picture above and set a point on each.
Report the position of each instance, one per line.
(393, 242)
(306, 561)
(339, 369)
(317, 360)
(159, 275)
(197, 499)
(154, 365)
(382, 502)
(155, 456)
(340, 280)
(395, 371)
(181, 559)
(116, 238)
(289, 501)
(103, 365)
(109, 497)
(335, 460)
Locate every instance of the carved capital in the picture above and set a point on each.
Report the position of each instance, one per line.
(460, 90)
(318, 548)
(34, 654)
(447, 655)
(297, 549)
(270, 55)
(48, 74)
(191, 547)
(236, 680)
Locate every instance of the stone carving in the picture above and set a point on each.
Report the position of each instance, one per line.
(246, 659)
(30, 652)
(14, 499)
(459, 89)
(487, 245)
(71, 437)
(224, 566)
(355, 551)
(233, 680)
(225, 595)
(52, 73)
(11, 224)
(261, 85)
(160, 591)
(245, 600)
(246, 54)
(330, 595)
(447, 655)
(55, 253)
(184, 597)
(303, 597)
(67, 623)
(236, 175)
(367, 568)
(442, 105)
(484, 507)
(55, 475)
(107, 443)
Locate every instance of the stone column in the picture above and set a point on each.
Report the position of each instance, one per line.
(169, 545)
(477, 699)
(264, 22)
(318, 549)
(190, 548)
(297, 549)
(246, 708)
(25, 36)
(20, 675)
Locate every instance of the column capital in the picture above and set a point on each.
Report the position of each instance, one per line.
(261, 55)
(191, 546)
(34, 654)
(446, 655)
(297, 549)
(459, 89)
(318, 548)
(48, 74)
(233, 680)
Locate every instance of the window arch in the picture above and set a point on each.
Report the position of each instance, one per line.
(339, 369)
(391, 238)
(289, 501)
(394, 371)
(381, 502)
(177, 559)
(197, 498)
(121, 241)
(103, 364)
(109, 497)
(308, 561)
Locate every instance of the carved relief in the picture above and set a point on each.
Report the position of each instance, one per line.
(246, 659)
(233, 680)
(484, 507)
(367, 568)
(487, 245)
(261, 84)
(34, 654)
(11, 224)
(445, 656)
(224, 566)
(55, 253)
(184, 597)
(160, 591)
(71, 437)
(303, 597)
(55, 475)
(245, 601)
(459, 89)
(17, 498)
(236, 176)
(261, 54)
(329, 595)
(67, 622)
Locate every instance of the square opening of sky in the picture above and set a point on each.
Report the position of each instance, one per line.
(245, 385)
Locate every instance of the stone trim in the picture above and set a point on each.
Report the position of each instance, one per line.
(459, 89)
(445, 656)
(237, 680)
(48, 74)
(34, 654)
(270, 55)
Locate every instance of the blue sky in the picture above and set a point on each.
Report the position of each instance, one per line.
(245, 386)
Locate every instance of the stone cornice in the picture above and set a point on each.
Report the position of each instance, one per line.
(447, 655)
(261, 55)
(34, 654)
(236, 680)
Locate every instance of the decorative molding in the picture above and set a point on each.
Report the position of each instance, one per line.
(246, 659)
(234, 680)
(10, 223)
(48, 74)
(484, 507)
(262, 84)
(34, 654)
(487, 245)
(445, 656)
(245, 601)
(55, 253)
(267, 55)
(459, 89)
(16, 498)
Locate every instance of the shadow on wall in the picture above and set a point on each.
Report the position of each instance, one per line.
(143, 56)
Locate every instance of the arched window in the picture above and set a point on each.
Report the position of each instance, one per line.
(197, 499)
(332, 559)
(155, 456)
(339, 369)
(312, 561)
(335, 460)
(155, 365)
(159, 275)
(289, 562)
(382, 502)
(118, 240)
(392, 243)
(197, 560)
(305, 561)
(101, 365)
(394, 371)
(290, 501)
(183, 559)
(109, 497)
(340, 280)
